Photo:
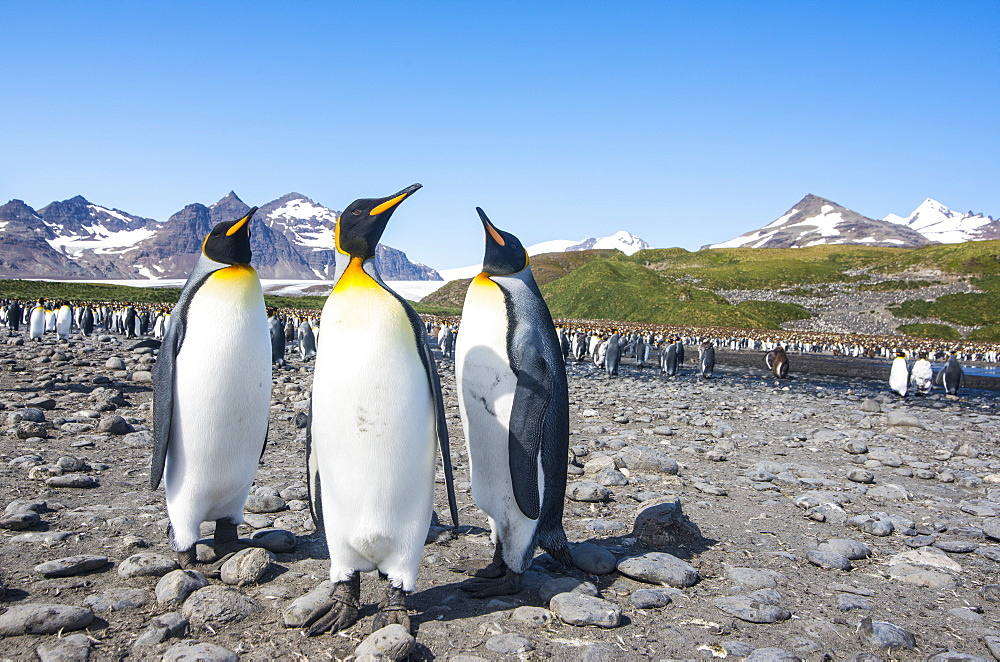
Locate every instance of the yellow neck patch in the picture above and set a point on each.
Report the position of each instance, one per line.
(236, 271)
(355, 276)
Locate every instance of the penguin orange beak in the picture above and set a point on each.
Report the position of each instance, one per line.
(240, 223)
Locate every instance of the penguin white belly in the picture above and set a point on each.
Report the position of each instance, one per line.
(898, 376)
(373, 435)
(222, 394)
(64, 322)
(36, 324)
(486, 386)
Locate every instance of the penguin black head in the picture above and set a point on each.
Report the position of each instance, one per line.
(361, 225)
(229, 241)
(504, 253)
(900, 354)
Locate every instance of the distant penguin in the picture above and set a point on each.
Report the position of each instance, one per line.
(87, 321)
(211, 394)
(951, 377)
(641, 353)
(14, 312)
(514, 403)
(36, 323)
(307, 340)
(277, 332)
(376, 419)
(777, 361)
(446, 339)
(706, 358)
(680, 351)
(64, 321)
(129, 325)
(668, 358)
(899, 375)
(922, 375)
(613, 355)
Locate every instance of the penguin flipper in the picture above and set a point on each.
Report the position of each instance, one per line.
(441, 426)
(312, 477)
(527, 421)
(163, 400)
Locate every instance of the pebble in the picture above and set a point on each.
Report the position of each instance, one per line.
(651, 598)
(991, 528)
(20, 520)
(264, 504)
(146, 564)
(114, 424)
(579, 609)
(509, 644)
(587, 491)
(71, 565)
(643, 458)
(72, 480)
(854, 550)
(861, 476)
(753, 578)
(758, 607)
(593, 559)
(956, 546)
(882, 634)
(533, 615)
(36, 618)
(246, 566)
(175, 586)
(71, 648)
(296, 613)
(659, 568)
(277, 541)
(118, 599)
(771, 655)
(847, 602)
(194, 651)
(218, 604)
(392, 642)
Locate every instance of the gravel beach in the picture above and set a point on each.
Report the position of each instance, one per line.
(819, 517)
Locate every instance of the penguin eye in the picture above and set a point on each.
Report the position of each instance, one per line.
(356, 212)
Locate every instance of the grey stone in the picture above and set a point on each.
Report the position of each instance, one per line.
(509, 644)
(579, 609)
(39, 618)
(218, 604)
(903, 419)
(593, 559)
(757, 607)
(828, 560)
(118, 599)
(277, 541)
(559, 585)
(870, 406)
(392, 642)
(611, 477)
(70, 463)
(991, 592)
(114, 424)
(587, 491)
(72, 480)
(861, 476)
(956, 546)
(296, 613)
(991, 528)
(855, 550)
(73, 648)
(194, 651)
(30, 430)
(533, 615)
(175, 586)
(643, 458)
(264, 504)
(889, 491)
(753, 578)
(30, 414)
(20, 520)
(651, 598)
(878, 527)
(71, 565)
(886, 635)
(257, 521)
(659, 568)
(115, 363)
(847, 602)
(247, 566)
(146, 564)
(956, 656)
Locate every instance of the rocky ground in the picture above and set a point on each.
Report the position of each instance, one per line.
(818, 518)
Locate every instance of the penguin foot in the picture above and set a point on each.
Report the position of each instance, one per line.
(493, 571)
(226, 540)
(339, 612)
(188, 559)
(392, 610)
(509, 584)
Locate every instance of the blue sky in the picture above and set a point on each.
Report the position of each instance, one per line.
(685, 123)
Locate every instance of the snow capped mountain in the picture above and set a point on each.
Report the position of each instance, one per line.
(291, 238)
(815, 220)
(626, 242)
(938, 223)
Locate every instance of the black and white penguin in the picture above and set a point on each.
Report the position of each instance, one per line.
(668, 358)
(951, 377)
(64, 321)
(87, 321)
(899, 375)
(307, 340)
(211, 393)
(36, 322)
(613, 355)
(706, 357)
(376, 418)
(14, 315)
(514, 403)
(922, 375)
(276, 329)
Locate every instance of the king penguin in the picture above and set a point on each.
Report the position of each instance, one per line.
(921, 375)
(706, 357)
(277, 331)
(514, 403)
(211, 393)
(64, 321)
(951, 377)
(899, 375)
(376, 417)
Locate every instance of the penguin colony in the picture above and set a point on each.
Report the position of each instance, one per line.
(376, 417)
